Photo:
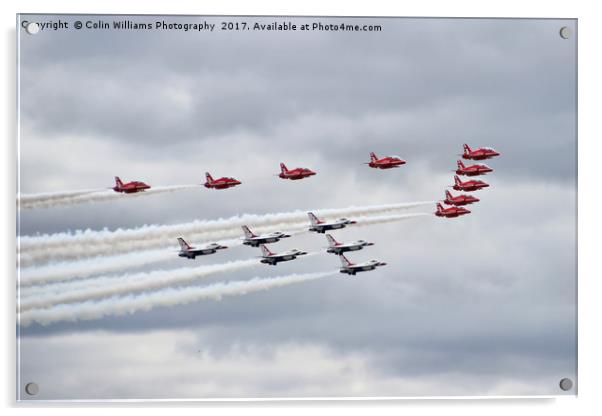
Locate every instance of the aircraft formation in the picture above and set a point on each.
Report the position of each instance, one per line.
(387, 162)
(457, 202)
(455, 208)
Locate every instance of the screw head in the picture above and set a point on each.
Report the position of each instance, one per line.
(565, 32)
(32, 28)
(566, 384)
(32, 389)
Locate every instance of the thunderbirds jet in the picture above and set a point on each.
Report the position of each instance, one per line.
(353, 268)
(472, 170)
(386, 162)
(221, 183)
(337, 248)
(294, 174)
(459, 200)
(254, 240)
(190, 252)
(320, 226)
(481, 153)
(450, 212)
(471, 185)
(274, 258)
(130, 187)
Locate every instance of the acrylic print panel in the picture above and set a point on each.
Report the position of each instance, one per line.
(199, 273)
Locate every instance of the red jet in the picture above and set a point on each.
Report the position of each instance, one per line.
(387, 162)
(451, 212)
(468, 186)
(295, 174)
(472, 170)
(130, 187)
(221, 183)
(481, 153)
(459, 200)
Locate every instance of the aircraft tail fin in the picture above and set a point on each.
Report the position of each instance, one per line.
(265, 251)
(439, 207)
(344, 261)
(208, 177)
(467, 148)
(448, 195)
(118, 183)
(312, 218)
(248, 232)
(457, 180)
(183, 244)
(461, 165)
(373, 157)
(331, 241)
(283, 168)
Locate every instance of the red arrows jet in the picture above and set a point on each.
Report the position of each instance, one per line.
(481, 153)
(221, 183)
(295, 174)
(468, 186)
(450, 212)
(130, 187)
(472, 170)
(386, 162)
(459, 200)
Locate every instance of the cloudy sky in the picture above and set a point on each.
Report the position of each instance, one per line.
(481, 305)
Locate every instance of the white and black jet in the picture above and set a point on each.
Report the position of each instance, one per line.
(338, 248)
(188, 251)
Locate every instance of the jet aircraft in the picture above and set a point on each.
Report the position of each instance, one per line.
(451, 212)
(320, 226)
(337, 248)
(130, 187)
(387, 162)
(294, 174)
(221, 183)
(481, 153)
(468, 186)
(472, 170)
(191, 252)
(460, 199)
(353, 268)
(254, 240)
(274, 258)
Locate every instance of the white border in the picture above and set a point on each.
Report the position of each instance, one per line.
(589, 186)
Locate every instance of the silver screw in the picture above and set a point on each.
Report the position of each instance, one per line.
(32, 389)
(32, 28)
(565, 32)
(566, 384)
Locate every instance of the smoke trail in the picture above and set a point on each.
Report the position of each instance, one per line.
(24, 199)
(103, 287)
(168, 297)
(82, 269)
(93, 243)
(383, 219)
(79, 197)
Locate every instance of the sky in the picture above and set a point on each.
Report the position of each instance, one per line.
(480, 305)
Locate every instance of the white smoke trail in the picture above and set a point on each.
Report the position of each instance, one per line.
(168, 297)
(82, 269)
(383, 219)
(93, 243)
(104, 286)
(79, 197)
(107, 286)
(25, 199)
